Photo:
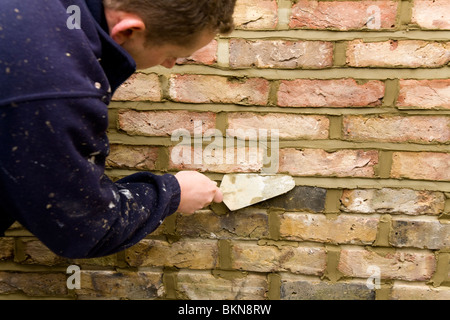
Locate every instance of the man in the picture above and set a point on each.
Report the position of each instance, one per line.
(56, 80)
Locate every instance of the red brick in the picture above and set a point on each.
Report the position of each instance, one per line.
(217, 89)
(316, 162)
(424, 94)
(431, 14)
(280, 54)
(421, 165)
(344, 15)
(393, 53)
(206, 55)
(139, 87)
(256, 14)
(400, 265)
(420, 129)
(164, 123)
(330, 93)
(289, 126)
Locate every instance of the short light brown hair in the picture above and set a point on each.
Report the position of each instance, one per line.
(179, 21)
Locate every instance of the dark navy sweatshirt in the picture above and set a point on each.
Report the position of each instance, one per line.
(56, 82)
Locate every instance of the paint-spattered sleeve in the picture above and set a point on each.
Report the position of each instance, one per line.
(52, 160)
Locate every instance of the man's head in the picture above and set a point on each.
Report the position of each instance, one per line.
(160, 31)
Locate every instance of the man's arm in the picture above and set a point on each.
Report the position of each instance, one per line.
(52, 157)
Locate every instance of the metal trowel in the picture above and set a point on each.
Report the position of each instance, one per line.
(241, 190)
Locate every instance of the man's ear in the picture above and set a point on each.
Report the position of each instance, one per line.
(127, 28)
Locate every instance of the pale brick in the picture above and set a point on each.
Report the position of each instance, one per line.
(216, 158)
(280, 54)
(206, 55)
(405, 291)
(424, 94)
(218, 89)
(421, 165)
(35, 284)
(399, 265)
(165, 123)
(247, 223)
(304, 259)
(419, 232)
(6, 248)
(419, 129)
(256, 14)
(394, 201)
(295, 287)
(139, 87)
(431, 14)
(120, 285)
(181, 254)
(393, 53)
(343, 229)
(316, 162)
(330, 93)
(235, 286)
(344, 15)
(289, 126)
(132, 157)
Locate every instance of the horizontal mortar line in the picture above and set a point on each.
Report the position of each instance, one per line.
(330, 182)
(335, 35)
(330, 145)
(367, 73)
(234, 108)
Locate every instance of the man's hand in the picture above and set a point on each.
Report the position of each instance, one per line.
(197, 191)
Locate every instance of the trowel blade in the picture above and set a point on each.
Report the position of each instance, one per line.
(242, 190)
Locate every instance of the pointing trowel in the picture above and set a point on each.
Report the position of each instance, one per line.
(243, 190)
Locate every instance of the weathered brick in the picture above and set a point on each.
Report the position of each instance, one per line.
(215, 159)
(316, 162)
(419, 232)
(421, 165)
(431, 14)
(305, 288)
(344, 229)
(289, 126)
(165, 123)
(301, 198)
(139, 87)
(399, 265)
(420, 129)
(303, 259)
(236, 286)
(132, 157)
(394, 53)
(120, 285)
(406, 291)
(6, 248)
(280, 54)
(343, 15)
(35, 284)
(206, 55)
(181, 254)
(330, 93)
(217, 89)
(256, 14)
(394, 201)
(247, 223)
(424, 94)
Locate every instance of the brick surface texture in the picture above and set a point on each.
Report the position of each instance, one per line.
(351, 98)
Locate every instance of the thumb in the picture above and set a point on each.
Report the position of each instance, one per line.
(218, 197)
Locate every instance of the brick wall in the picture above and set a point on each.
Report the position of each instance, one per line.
(359, 92)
